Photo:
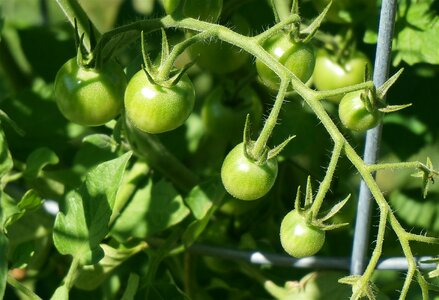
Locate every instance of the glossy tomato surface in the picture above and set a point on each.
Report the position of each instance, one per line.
(153, 108)
(330, 74)
(90, 97)
(354, 114)
(298, 238)
(299, 58)
(245, 179)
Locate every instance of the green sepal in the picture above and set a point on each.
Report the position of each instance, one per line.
(308, 196)
(393, 108)
(165, 47)
(176, 78)
(335, 209)
(382, 90)
(311, 30)
(276, 150)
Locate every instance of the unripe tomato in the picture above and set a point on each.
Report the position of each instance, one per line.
(330, 74)
(354, 114)
(225, 118)
(206, 10)
(245, 179)
(298, 238)
(299, 58)
(88, 96)
(220, 57)
(153, 108)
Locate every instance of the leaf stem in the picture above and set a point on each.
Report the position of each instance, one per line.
(22, 288)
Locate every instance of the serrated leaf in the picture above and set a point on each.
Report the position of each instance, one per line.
(82, 226)
(153, 208)
(201, 198)
(132, 285)
(90, 277)
(37, 160)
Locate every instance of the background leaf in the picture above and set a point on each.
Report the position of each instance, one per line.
(79, 230)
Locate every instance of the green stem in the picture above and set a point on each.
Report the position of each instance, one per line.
(260, 38)
(261, 142)
(70, 278)
(22, 288)
(283, 8)
(326, 183)
(166, 68)
(399, 165)
(72, 10)
(320, 95)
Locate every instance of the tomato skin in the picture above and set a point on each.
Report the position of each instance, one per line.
(207, 10)
(298, 238)
(89, 97)
(299, 58)
(170, 5)
(226, 119)
(354, 115)
(243, 178)
(220, 57)
(330, 74)
(155, 109)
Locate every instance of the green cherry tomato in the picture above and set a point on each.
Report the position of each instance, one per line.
(153, 108)
(346, 11)
(330, 74)
(298, 238)
(245, 179)
(299, 58)
(354, 114)
(225, 118)
(87, 96)
(220, 57)
(206, 10)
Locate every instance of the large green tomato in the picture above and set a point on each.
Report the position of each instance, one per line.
(153, 108)
(225, 118)
(330, 74)
(299, 58)
(87, 96)
(245, 179)
(354, 114)
(220, 57)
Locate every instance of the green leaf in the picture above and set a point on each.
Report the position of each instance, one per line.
(22, 255)
(29, 202)
(6, 163)
(101, 141)
(131, 290)
(90, 277)
(61, 293)
(84, 223)
(203, 196)
(153, 208)
(416, 33)
(4, 243)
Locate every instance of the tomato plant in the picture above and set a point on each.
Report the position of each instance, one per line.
(332, 73)
(154, 108)
(298, 237)
(150, 206)
(88, 96)
(354, 113)
(246, 179)
(298, 57)
(224, 114)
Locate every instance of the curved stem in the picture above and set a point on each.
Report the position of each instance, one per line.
(271, 122)
(283, 8)
(260, 38)
(326, 183)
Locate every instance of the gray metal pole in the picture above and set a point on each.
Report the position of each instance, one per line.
(373, 137)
